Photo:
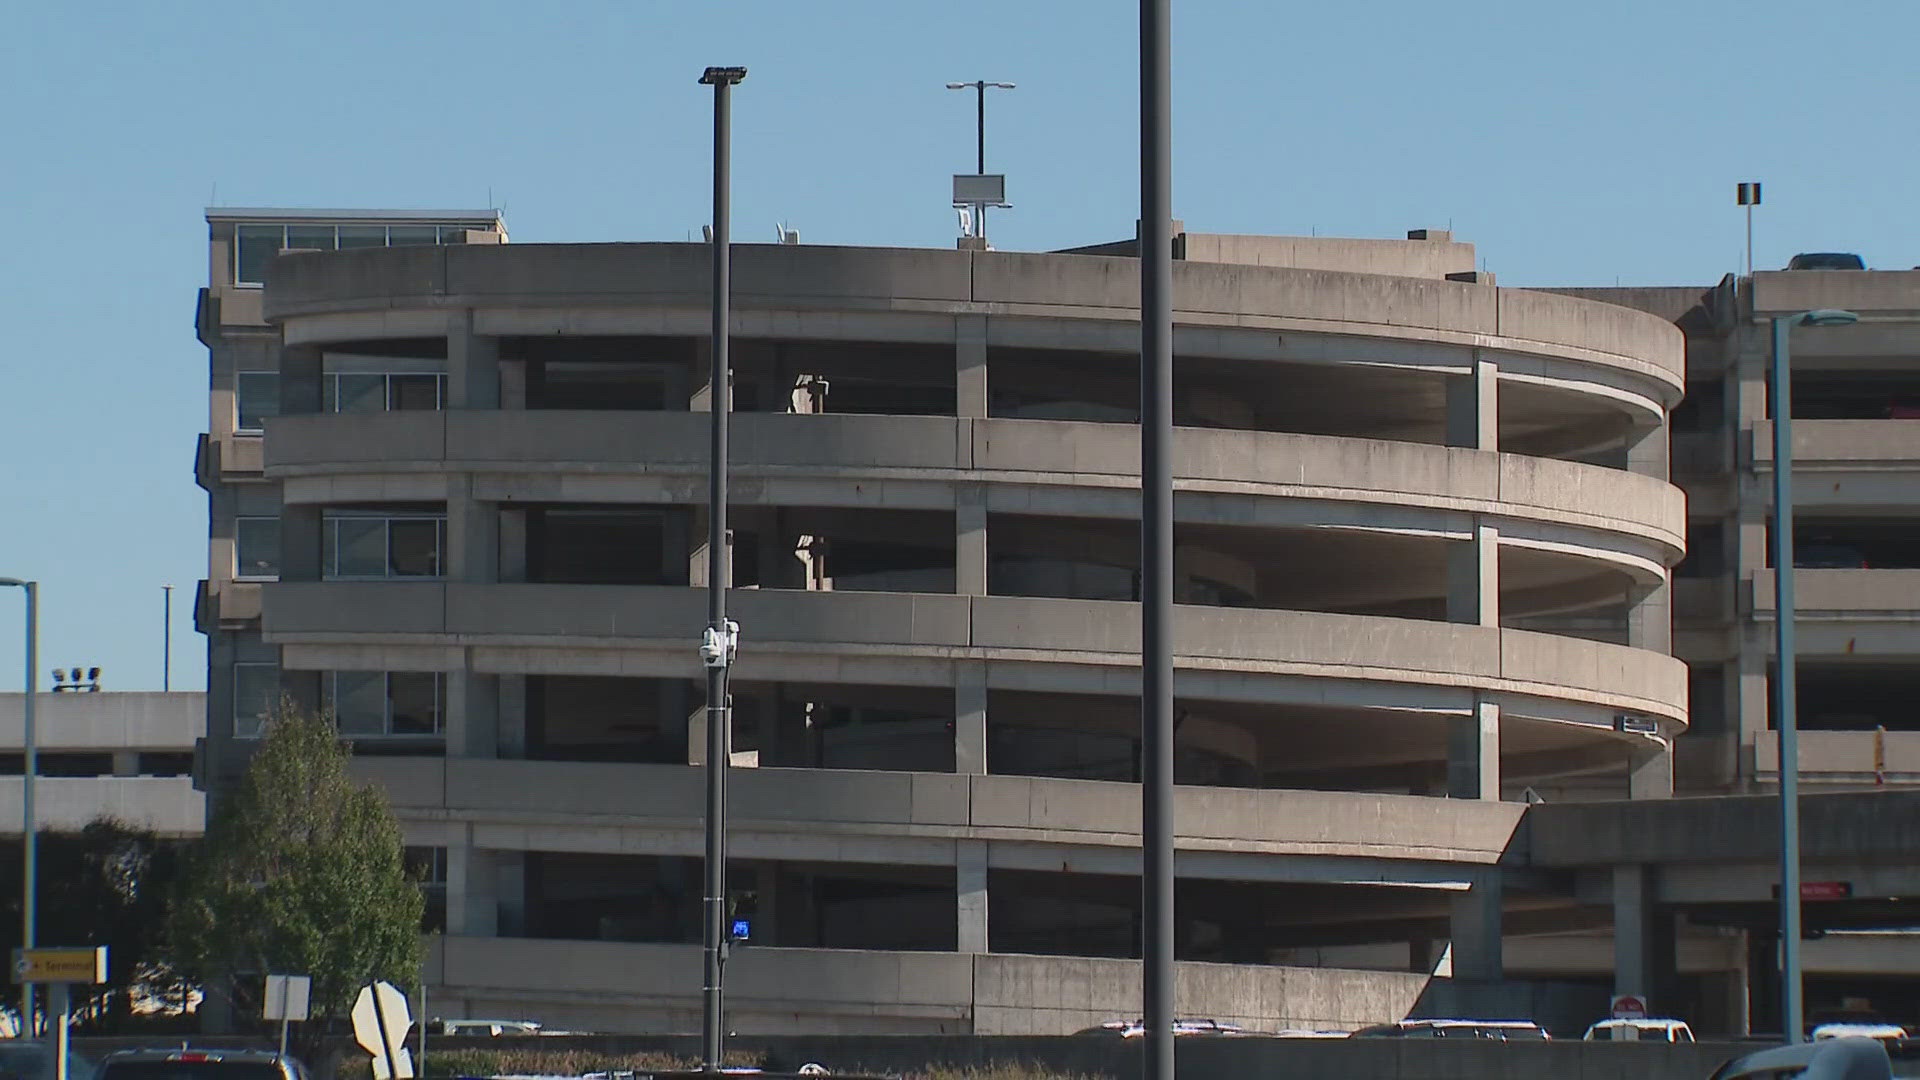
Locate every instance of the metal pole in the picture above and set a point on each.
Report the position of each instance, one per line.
(717, 645)
(166, 638)
(1749, 239)
(29, 831)
(980, 149)
(1786, 720)
(59, 996)
(1156, 537)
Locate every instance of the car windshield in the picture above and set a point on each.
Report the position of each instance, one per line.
(190, 1070)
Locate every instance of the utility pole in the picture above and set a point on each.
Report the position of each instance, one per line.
(980, 88)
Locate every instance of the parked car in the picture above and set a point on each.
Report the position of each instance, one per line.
(487, 1028)
(1646, 1029)
(1502, 1030)
(26, 1059)
(199, 1065)
(1826, 260)
(1182, 1027)
(1844, 1030)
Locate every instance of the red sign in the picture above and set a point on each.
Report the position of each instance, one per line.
(1826, 890)
(1629, 1007)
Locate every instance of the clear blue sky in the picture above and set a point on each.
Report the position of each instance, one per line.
(1574, 143)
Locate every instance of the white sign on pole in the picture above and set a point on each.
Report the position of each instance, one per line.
(380, 1023)
(286, 997)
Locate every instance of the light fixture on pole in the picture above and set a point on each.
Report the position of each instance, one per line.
(1748, 195)
(980, 190)
(1786, 720)
(721, 637)
(29, 827)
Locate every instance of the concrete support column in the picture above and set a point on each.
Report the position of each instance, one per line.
(473, 365)
(473, 535)
(1644, 943)
(510, 717)
(1650, 618)
(970, 887)
(1473, 406)
(1473, 753)
(1476, 929)
(300, 380)
(301, 545)
(970, 367)
(970, 539)
(473, 898)
(126, 763)
(512, 526)
(472, 713)
(1473, 577)
(1650, 771)
(1649, 451)
(970, 717)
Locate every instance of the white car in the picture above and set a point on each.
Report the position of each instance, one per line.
(1647, 1029)
(1883, 1032)
(488, 1027)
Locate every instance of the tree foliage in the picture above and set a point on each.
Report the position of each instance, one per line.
(105, 884)
(302, 872)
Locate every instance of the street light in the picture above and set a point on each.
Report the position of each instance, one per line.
(1786, 722)
(721, 636)
(28, 826)
(980, 88)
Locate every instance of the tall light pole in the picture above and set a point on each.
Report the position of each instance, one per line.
(1156, 538)
(1786, 720)
(722, 635)
(29, 827)
(980, 88)
(166, 637)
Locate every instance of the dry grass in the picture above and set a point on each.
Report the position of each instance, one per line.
(530, 1062)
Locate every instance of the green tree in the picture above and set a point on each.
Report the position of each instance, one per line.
(302, 873)
(103, 885)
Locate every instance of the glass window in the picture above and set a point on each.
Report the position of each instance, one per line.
(399, 235)
(358, 700)
(256, 542)
(413, 391)
(256, 690)
(361, 236)
(256, 396)
(413, 700)
(310, 237)
(254, 247)
(357, 392)
(359, 547)
(414, 547)
(453, 234)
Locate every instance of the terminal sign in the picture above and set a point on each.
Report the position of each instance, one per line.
(88, 966)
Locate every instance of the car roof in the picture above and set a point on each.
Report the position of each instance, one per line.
(171, 1053)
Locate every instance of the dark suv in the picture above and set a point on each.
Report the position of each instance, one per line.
(1826, 260)
(199, 1065)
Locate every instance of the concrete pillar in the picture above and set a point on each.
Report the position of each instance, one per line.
(970, 717)
(300, 380)
(473, 535)
(1650, 617)
(1648, 451)
(1473, 577)
(970, 539)
(472, 713)
(1645, 963)
(1473, 406)
(1476, 929)
(473, 899)
(970, 367)
(126, 763)
(1650, 771)
(510, 717)
(970, 885)
(1473, 753)
(473, 365)
(513, 384)
(512, 538)
(510, 890)
(301, 544)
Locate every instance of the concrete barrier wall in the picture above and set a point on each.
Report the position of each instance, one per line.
(947, 805)
(1002, 628)
(1843, 590)
(115, 720)
(767, 275)
(166, 804)
(1733, 828)
(616, 986)
(1778, 292)
(1814, 441)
